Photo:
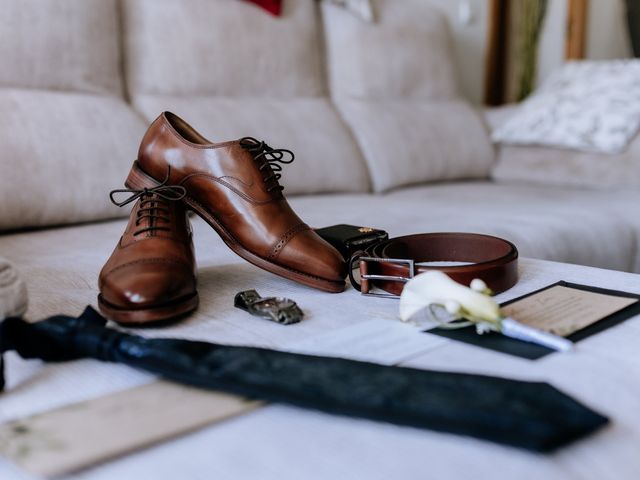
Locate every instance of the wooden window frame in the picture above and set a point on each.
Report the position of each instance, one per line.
(496, 56)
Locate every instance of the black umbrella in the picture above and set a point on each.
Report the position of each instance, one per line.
(534, 416)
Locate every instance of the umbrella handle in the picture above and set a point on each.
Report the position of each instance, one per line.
(53, 339)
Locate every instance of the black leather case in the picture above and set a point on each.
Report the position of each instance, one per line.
(348, 239)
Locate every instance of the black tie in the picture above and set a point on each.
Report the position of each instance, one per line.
(529, 415)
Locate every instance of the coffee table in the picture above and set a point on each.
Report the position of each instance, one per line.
(278, 442)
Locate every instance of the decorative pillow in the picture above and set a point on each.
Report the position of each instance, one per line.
(592, 106)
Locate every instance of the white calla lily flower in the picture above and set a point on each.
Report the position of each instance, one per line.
(478, 285)
(473, 304)
(452, 307)
(435, 287)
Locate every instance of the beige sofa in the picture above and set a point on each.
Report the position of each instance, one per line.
(381, 135)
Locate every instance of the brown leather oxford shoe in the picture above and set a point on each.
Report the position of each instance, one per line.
(150, 275)
(234, 187)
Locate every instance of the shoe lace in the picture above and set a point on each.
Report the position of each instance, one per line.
(272, 160)
(154, 203)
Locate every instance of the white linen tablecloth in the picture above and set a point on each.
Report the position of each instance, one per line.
(278, 442)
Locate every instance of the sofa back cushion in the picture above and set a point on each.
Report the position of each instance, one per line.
(60, 44)
(60, 155)
(327, 158)
(406, 53)
(233, 70)
(408, 143)
(395, 84)
(222, 48)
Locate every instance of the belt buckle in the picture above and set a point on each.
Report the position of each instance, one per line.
(365, 278)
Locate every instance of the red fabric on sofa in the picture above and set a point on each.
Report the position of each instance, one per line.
(272, 6)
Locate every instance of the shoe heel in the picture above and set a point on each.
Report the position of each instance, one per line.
(138, 178)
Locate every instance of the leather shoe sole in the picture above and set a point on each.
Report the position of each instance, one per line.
(151, 314)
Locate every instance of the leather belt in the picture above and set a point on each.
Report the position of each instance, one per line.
(388, 265)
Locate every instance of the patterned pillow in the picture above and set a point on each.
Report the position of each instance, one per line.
(592, 106)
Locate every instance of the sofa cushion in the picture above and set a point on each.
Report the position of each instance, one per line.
(61, 154)
(406, 53)
(327, 157)
(565, 225)
(61, 266)
(60, 44)
(538, 165)
(550, 166)
(407, 143)
(395, 84)
(222, 47)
